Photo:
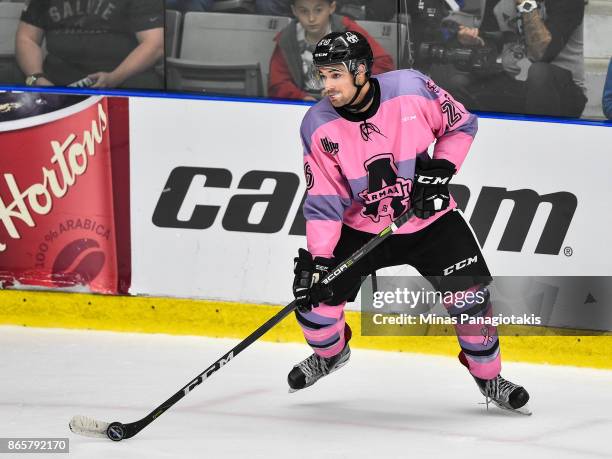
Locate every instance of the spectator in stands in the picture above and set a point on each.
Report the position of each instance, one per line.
(189, 5)
(542, 60)
(607, 94)
(114, 44)
(292, 75)
(273, 7)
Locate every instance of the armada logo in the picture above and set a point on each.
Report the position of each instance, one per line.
(181, 204)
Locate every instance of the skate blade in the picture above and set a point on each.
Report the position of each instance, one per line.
(523, 410)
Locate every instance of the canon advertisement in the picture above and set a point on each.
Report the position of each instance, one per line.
(219, 216)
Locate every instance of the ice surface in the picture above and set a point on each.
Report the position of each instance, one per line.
(379, 405)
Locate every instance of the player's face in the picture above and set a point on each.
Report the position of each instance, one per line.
(338, 84)
(314, 15)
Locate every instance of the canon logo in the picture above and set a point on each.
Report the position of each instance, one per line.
(237, 210)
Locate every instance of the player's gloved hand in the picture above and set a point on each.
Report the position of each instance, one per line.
(430, 191)
(308, 272)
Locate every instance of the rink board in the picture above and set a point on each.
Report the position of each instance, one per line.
(237, 320)
(218, 215)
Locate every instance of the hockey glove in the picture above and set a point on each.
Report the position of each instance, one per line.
(308, 272)
(430, 191)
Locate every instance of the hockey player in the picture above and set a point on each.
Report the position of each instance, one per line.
(366, 163)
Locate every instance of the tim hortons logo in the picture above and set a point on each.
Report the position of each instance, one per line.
(70, 158)
(180, 206)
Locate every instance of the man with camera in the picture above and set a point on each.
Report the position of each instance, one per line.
(540, 46)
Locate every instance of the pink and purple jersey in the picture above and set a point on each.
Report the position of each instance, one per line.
(360, 167)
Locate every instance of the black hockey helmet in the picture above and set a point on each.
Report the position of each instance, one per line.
(348, 48)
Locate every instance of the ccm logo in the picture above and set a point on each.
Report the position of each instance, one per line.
(200, 378)
(432, 180)
(460, 265)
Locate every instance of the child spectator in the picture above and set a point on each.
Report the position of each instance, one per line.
(292, 74)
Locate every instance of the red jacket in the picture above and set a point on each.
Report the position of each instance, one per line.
(285, 76)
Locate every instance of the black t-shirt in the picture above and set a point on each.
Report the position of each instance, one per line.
(93, 33)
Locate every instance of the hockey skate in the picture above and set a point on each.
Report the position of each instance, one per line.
(504, 394)
(501, 392)
(310, 370)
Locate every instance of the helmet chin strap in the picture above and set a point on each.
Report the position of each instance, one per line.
(353, 107)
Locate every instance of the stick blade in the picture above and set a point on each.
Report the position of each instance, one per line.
(89, 427)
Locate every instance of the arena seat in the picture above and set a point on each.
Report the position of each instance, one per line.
(225, 79)
(9, 19)
(598, 29)
(224, 39)
(386, 34)
(234, 6)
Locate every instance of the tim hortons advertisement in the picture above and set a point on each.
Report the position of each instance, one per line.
(57, 219)
(218, 212)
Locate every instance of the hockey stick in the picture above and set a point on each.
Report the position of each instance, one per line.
(117, 431)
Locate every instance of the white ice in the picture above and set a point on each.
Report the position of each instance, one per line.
(380, 405)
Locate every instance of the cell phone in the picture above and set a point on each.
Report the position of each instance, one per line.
(82, 83)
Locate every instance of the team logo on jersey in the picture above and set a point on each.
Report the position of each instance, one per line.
(387, 194)
(329, 146)
(367, 129)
